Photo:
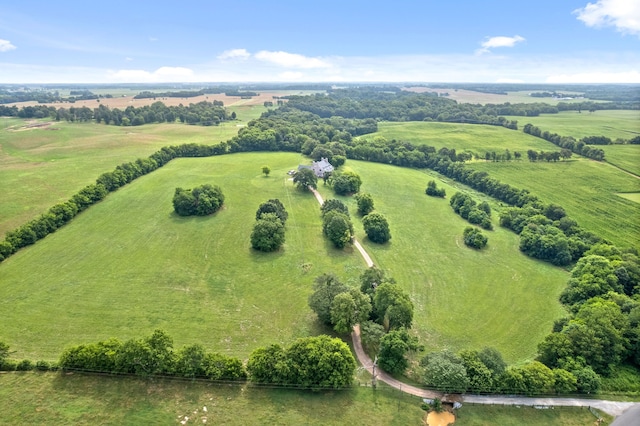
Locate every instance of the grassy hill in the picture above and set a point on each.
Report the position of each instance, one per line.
(588, 190)
(129, 265)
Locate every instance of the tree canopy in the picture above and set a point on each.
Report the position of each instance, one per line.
(200, 201)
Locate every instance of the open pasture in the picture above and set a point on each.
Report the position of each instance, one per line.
(464, 299)
(586, 189)
(41, 166)
(624, 124)
(463, 137)
(128, 265)
(626, 157)
(56, 399)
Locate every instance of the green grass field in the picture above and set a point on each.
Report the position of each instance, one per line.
(476, 138)
(128, 265)
(586, 189)
(40, 167)
(58, 399)
(614, 124)
(463, 298)
(626, 157)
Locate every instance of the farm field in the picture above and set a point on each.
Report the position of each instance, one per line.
(624, 124)
(462, 137)
(586, 189)
(626, 157)
(199, 280)
(571, 184)
(41, 166)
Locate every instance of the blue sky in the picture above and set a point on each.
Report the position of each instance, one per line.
(541, 41)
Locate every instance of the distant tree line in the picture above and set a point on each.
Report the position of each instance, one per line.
(203, 113)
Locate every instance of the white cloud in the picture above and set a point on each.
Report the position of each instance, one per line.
(624, 15)
(500, 41)
(596, 77)
(5, 45)
(291, 60)
(162, 74)
(234, 54)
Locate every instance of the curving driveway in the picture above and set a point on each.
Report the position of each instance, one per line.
(629, 412)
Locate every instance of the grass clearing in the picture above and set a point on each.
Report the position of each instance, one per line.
(614, 124)
(626, 157)
(58, 399)
(464, 299)
(128, 265)
(41, 167)
(588, 190)
(572, 184)
(462, 137)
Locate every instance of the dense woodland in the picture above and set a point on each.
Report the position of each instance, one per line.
(602, 327)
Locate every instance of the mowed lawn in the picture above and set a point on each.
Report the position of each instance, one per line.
(462, 137)
(128, 265)
(586, 189)
(40, 167)
(464, 299)
(624, 124)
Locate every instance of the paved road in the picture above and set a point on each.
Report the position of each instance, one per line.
(631, 410)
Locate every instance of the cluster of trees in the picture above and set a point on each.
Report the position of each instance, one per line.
(603, 328)
(376, 227)
(319, 362)
(474, 238)
(152, 356)
(503, 156)
(336, 222)
(345, 183)
(268, 231)
(390, 105)
(180, 93)
(384, 311)
(566, 142)
(433, 190)
(547, 233)
(200, 201)
(485, 372)
(549, 156)
(467, 208)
